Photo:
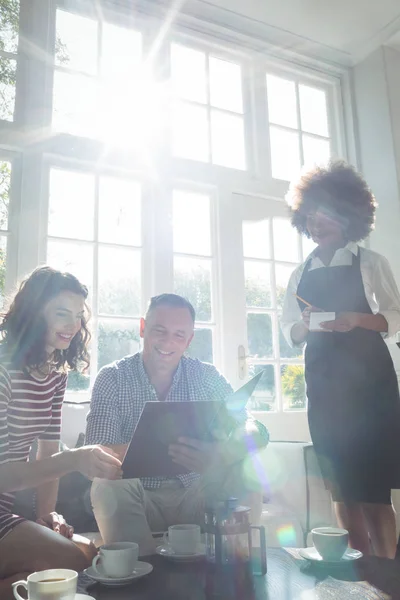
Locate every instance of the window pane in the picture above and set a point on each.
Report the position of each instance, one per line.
(119, 211)
(313, 110)
(201, 346)
(227, 140)
(256, 239)
(73, 258)
(263, 397)
(75, 105)
(5, 182)
(121, 51)
(286, 241)
(257, 284)
(9, 24)
(8, 73)
(78, 382)
(130, 113)
(190, 132)
(3, 266)
(282, 276)
(285, 154)
(281, 101)
(315, 151)
(225, 85)
(192, 280)
(116, 339)
(259, 335)
(191, 223)
(293, 387)
(119, 286)
(188, 73)
(77, 42)
(71, 205)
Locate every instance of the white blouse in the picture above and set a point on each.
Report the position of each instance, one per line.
(379, 284)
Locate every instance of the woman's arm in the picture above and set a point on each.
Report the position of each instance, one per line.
(46, 493)
(49, 444)
(387, 296)
(92, 461)
(292, 324)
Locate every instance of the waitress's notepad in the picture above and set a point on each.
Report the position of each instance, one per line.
(316, 318)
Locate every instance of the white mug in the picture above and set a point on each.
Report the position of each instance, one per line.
(52, 584)
(117, 560)
(183, 539)
(330, 542)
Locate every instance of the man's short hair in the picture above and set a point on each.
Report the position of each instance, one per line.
(172, 300)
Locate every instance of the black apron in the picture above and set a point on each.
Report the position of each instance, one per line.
(352, 389)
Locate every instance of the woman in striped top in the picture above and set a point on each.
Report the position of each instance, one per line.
(44, 334)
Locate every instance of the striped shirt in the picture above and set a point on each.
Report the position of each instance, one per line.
(30, 409)
(122, 389)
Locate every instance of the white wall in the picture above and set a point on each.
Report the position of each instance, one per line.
(377, 99)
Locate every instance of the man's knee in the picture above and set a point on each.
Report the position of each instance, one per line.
(107, 497)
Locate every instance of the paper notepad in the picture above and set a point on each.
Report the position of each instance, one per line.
(316, 318)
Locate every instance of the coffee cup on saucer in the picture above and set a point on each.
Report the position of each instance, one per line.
(183, 539)
(52, 584)
(117, 560)
(330, 542)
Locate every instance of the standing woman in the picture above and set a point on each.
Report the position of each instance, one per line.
(352, 388)
(43, 335)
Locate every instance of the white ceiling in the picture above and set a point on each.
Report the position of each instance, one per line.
(342, 31)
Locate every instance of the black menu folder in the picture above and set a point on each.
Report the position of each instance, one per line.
(162, 423)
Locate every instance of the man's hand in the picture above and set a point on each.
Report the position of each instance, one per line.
(57, 523)
(343, 323)
(195, 455)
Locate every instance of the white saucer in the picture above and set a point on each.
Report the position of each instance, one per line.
(313, 556)
(141, 569)
(83, 597)
(166, 551)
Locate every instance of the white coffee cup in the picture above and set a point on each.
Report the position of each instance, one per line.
(117, 560)
(52, 584)
(330, 542)
(183, 539)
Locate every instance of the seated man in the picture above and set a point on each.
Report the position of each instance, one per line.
(128, 510)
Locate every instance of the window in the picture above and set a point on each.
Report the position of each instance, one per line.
(298, 126)
(207, 124)
(272, 249)
(95, 232)
(101, 87)
(9, 23)
(193, 265)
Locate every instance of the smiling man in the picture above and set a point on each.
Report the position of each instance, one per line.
(130, 509)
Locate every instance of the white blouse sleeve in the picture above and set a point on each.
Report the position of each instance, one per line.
(386, 294)
(291, 313)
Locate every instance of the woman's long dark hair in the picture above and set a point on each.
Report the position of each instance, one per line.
(23, 328)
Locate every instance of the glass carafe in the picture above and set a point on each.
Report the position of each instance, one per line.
(228, 536)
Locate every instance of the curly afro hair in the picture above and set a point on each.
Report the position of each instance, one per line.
(339, 190)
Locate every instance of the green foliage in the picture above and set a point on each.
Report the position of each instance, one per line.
(5, 181)
(293, 385)
(9, 22)
(195, 285)
(114, 343)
